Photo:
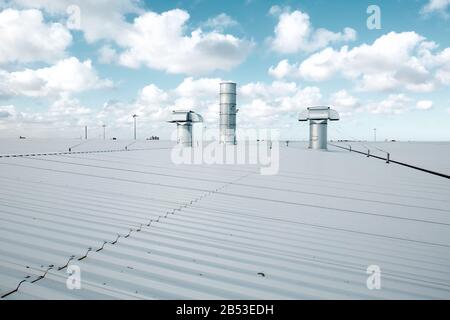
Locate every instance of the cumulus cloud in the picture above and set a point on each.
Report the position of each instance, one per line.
(6, 112)
(220, 22)
(294, 33)
(269, 91)
(260, 105)
(154, 105)
(26, 37)
(442, 62)
(266, 103)
(344, 102)
(65, 115)
(64, 112)
(283, 70)
(201, 87)
(394, 61)
(393, 104)
(439, 6)
(107, 54)
(65, 77)
(119, 114)
(100, 19)
(160, 41)
(66, 106)
(424, 104)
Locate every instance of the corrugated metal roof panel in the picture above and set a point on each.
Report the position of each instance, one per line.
(145, 228)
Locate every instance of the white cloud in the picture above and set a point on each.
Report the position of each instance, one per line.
(283, 70)
(26, 37)
(257, 109)
(100, 19)
(393, 104)
(322, 65)
(344, 103)
(159, 42)
(259, 103)
(277, 10)
(439, 6)
(154, 105)
(270, 91)
(266, 104)
(202, 87)
(442, 62)
(152, 94)
(107, 54)
(294, 33)
(65, 77)
(394, 61)
(424, 104)
(6, 113)
(302, 99)
(64, 113)
(66, 108)
(220, 22)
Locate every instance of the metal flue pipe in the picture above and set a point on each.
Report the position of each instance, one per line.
(227, 121)
(184, 121)
(318, 121)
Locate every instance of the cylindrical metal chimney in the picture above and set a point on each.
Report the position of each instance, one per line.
(318, 121)
(184, 134)
(184, 120)
(318, 134)
(227, 122)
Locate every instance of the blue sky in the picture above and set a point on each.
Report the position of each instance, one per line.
(61, 70)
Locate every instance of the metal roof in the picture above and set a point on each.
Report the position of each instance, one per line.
(140, 227)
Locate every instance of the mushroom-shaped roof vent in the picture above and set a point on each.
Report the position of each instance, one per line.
(185, 116)
(319, 113)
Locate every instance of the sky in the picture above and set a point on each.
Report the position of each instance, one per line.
(73, 63)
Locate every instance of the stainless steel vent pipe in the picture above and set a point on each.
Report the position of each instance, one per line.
(318, 121)
(227, 122)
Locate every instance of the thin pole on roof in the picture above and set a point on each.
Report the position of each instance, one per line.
(134, 117)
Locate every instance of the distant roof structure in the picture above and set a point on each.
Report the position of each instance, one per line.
(140, 227)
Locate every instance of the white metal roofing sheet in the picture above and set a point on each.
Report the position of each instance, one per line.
(149, 229)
